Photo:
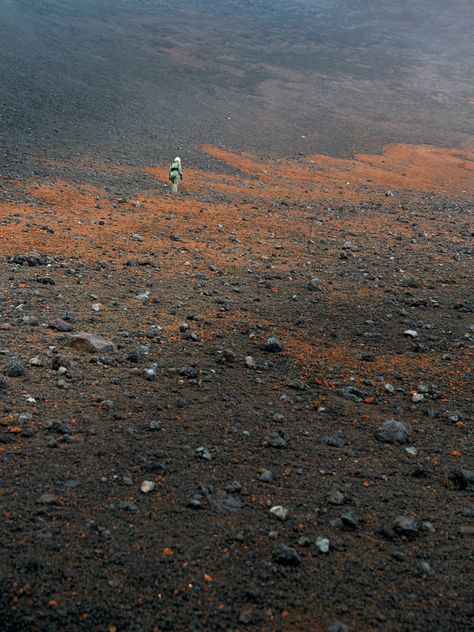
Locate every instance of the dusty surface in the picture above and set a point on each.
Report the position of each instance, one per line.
(328, 195)
(390, 238)
(137, 80)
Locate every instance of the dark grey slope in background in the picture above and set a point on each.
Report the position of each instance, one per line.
(138, 78)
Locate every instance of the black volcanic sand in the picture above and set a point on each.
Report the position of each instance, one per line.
(144, 80)
(190, 286)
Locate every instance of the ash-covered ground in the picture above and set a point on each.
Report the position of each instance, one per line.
(247, 406)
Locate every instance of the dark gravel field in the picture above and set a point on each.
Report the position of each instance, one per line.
(248, 405)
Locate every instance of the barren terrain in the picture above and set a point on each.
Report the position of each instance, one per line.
(247, 405)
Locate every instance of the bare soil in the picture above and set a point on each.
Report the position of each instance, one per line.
(233, 257)
(327, 202)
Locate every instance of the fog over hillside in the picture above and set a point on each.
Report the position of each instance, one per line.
(135, 78)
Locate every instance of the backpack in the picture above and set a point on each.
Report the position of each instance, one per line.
(174, 171)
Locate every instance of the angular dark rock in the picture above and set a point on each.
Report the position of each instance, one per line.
(14, 368)
(406, 526)
(61, 325)
(334, 441)
(277, 439)
(286, 556)
(462, 479)
(223, 503)
(30, 259)
(272, 345)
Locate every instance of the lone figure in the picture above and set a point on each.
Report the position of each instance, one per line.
(176, 173)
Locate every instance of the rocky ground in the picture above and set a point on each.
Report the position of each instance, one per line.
(246, 406)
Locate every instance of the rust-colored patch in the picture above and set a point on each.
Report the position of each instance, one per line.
(404, 167)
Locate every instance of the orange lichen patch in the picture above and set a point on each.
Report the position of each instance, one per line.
(425, 168)
(245, 226)
(311, 353)
(197, 180)
(67, 195)
(245, 162)
(406, 167)
(80, 221)
(281, 183)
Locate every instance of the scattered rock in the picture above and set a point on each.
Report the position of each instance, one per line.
(147, 486)
(322, 544)
(315, 284)
(279, 512)
(14, 368)
(392, 431)
(203, 453)
(426, 568)
(266, 476)
(150, 373)
(143, 296)
(277, 439)
(223, 503)
(128, 505)
(352, 393)
(336, 498)
(272, 345)
(49, 499)
(462, 479)
(138, 355)
(349, 521)
(61, 361)
(61, 325)
(286, 556)
(31, 321)
(91, 343)
(246, 616)
(297, 385)
(250, 362)
(406, 526)
(30, 259)
(334, 441)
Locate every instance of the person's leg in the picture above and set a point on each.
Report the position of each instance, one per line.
(174, 187)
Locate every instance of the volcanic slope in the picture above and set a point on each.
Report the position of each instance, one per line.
(222, 461)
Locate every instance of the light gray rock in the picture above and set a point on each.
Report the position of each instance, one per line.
(322, 544)
(406, 525)
(392, 431)
(91, 343)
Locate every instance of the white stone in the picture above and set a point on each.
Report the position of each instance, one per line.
(279, 512)
(322, 545)
(147, 486)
